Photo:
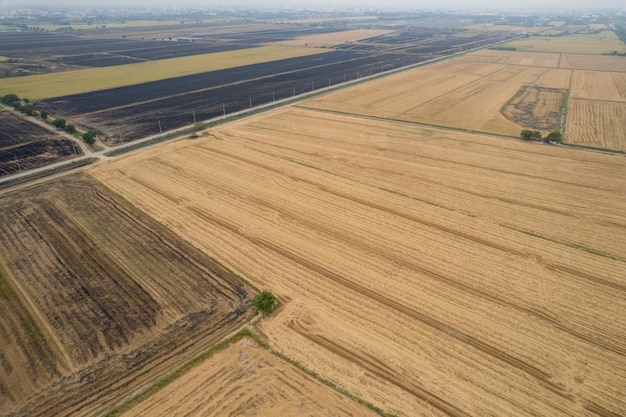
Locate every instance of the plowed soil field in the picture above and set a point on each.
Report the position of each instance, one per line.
(247, 380)
(96, 299)
(429, 272)
(537, 108)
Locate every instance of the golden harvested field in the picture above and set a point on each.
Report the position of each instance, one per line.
(247, 380)
(533, 59)
(97, 298)
(82, 81)
(491, 27)
(454, 93)
(396, 252)
(597, 123)
(594, 44)
(594, 63)
(332, 39)
(599, 85)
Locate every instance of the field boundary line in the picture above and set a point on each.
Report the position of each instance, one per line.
(175, 372)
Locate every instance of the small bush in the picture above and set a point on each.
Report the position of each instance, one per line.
(43, 114)
(554, 137)
(90, 137)
(530, 134)
(266, 302)
(58, 123)
(70, 128)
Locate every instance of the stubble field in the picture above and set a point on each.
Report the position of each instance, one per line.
(96, 299)
(580, 43)
(426, 271)
(93, 79)
(457, 93)
(333, 38)
(247, 380)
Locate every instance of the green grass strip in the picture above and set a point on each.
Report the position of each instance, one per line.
(164, 380)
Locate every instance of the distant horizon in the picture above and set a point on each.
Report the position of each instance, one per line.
(561, 5)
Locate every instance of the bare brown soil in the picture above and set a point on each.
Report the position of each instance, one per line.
(97, 298)
(247, 380)
(536, 108)
(399, 257)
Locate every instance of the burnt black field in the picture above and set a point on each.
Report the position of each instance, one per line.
(25, 145)
(129, 113)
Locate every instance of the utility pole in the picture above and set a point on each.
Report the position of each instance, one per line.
(250, 101)
(19, 168)
(160, 128)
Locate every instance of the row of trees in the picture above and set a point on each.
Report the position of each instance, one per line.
(554, 136)
(25, 106)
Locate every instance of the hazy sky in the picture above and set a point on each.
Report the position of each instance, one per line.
(492, 4)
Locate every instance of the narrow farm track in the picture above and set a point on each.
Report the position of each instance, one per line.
(396, 284)
(116, 299)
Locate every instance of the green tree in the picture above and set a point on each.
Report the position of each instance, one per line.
(530, 134)
(9, 99)
(70, 128)
(266, 302)
(554, 136)
(28, 109)
(43, 114)
(90, 136)
(58, 123)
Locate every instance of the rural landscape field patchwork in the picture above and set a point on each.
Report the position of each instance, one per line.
(426, 260)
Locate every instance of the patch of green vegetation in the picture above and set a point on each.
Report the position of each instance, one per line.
(503, 48)
(265, 302)
(6, 291)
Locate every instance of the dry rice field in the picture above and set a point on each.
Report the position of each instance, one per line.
(533, 59)
(399, 256)
(97, 298)
(597, 123)
(599, 85)
(455, 93)
(85, 80)
(247, 380)
(594, 63)
(594, 44)
(327, 40)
